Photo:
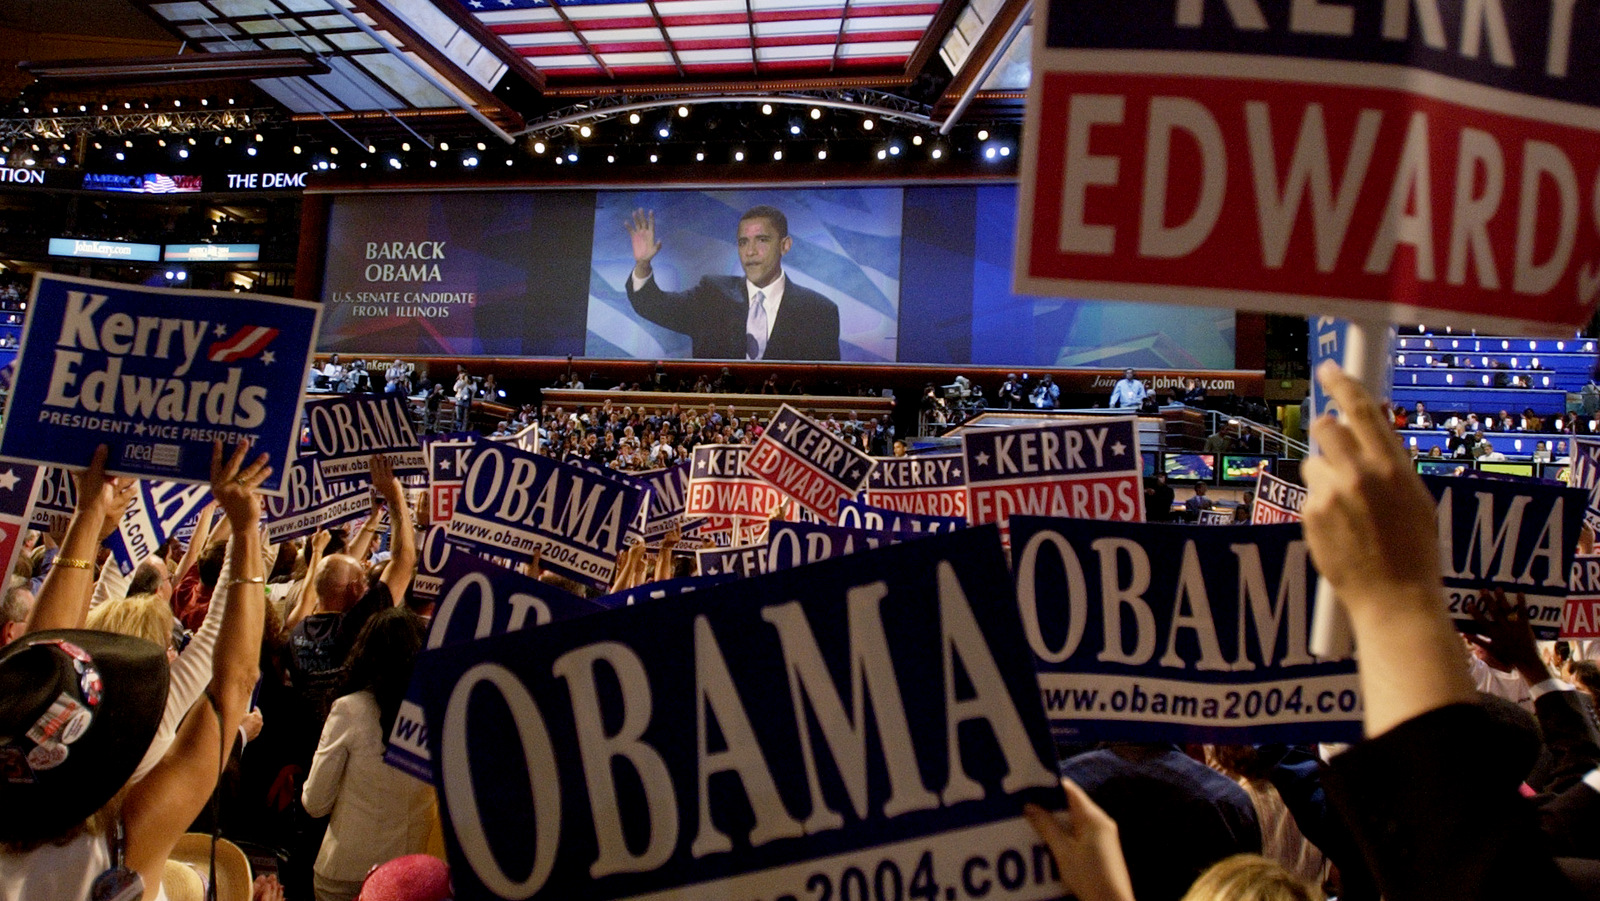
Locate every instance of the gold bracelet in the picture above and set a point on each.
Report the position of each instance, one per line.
(74, 563)
(254, 580)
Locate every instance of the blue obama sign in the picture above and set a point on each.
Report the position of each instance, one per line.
(157, 374)
(1173, 633)
(866, 721)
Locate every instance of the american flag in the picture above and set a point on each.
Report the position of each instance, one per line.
(156, 183)
(708, 36)
(245, 343)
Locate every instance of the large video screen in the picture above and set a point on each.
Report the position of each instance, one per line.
(918, 274)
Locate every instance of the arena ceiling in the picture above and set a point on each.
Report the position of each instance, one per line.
(516, 68)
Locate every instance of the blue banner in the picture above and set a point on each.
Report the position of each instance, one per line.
(347, 430)
(869, 718)
(858, 515)
(636, 527)
(478, 600)
(1152, 632)
(312, 502)
(154, 515)
(1516, 535)
(669, 492)
(1087, 470)
(157, 374)
(514, 501)
(791, 544)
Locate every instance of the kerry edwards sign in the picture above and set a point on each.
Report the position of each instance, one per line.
(799, 734)
(1277, 501)
(1155, 633)
(1087, 470)
(808, 463)
(1362, 160)
(923, 486)
(721, 487)
(157, 374)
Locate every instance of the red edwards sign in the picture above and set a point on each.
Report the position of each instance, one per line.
(1292, 184)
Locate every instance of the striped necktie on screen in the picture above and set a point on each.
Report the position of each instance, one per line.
(755, 339)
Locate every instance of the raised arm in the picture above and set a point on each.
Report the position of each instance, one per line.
(642, 236)
(160, 808)
(63, 600)
(308, 583)
(402, 537)
(197, 541)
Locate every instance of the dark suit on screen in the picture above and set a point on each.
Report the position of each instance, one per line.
(713, 314)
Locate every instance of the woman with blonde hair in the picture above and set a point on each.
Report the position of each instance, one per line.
(1249, 877)
(144, 616)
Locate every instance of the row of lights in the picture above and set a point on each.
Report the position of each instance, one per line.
(127, 106)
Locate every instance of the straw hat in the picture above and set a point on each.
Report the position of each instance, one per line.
(184, 878)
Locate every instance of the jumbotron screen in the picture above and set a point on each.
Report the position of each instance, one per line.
(871, 274)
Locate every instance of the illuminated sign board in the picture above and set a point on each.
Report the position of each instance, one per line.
(212, 253)
(16, 176)
(265, 181)
(104, 250)
(152, 183)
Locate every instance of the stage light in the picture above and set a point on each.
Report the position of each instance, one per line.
(989, 153)
(572, 156)
(363, 165)
(259, 138)
(334, 151)
(405, 147)
(183, 152)
(125, 105)
(182, 275)
(917, 140)
(433, 164)
(822, 154)
(1005, 149)
(983, 134)
(394, 162)
(653, 158)
(160, 142)
(584, 131)
(894, 149)
(61, 160)
(204, 102)
(227, 139)
(937, 153)
(177, 103)
(443, 145)
(372, 148)
(766, 109)
(508, 162)
(611, 158)
(794, 127)
(560, 159)
(700, 156)
(470, 162)
(481, 147)
(296, 149)
(777, 156)
(663, 131)
(82, 108)
(633, 118)
(738, 156)
(816, 113)
(127, 143)
(883, 154)
(683, 112)
(867, 124)
(97, 145)
(170, 275)
(104, 107)
(120, 155)
(538, 147)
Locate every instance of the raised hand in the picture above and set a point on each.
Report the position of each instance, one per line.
(1083, 840)
(1506, 635)
(234, 483)
(383, 479)
(642, 231)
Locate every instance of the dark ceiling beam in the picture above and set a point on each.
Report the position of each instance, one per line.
(157, 70)
(750, 25)
(991, 42)
(475, 27)
(667, 38)
(578, 33)
(821, 83)
(838, 39)
(412, 40)
(938, 29)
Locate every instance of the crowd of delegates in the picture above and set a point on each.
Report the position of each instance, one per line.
(1455, 794)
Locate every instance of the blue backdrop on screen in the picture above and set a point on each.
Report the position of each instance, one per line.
(846, 247)
(457, 273)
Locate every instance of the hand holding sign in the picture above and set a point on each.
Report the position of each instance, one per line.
(1368, 518)
(1506, 636)
(122, 494)
(1369, 522)
(1083, 840)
